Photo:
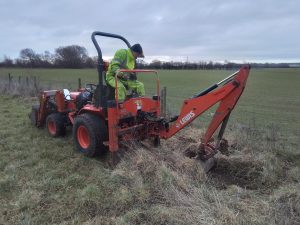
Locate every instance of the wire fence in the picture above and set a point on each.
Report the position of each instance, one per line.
(20, 85)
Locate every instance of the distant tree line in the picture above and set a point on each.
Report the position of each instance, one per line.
(72, 56)
(201, 65)
(75, 56)
(204, 65)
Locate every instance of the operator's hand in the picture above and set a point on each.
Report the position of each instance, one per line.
(122, 75)
(125, 76)
(119, 73)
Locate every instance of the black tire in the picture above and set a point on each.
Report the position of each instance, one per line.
(56, 124)
(89, 133)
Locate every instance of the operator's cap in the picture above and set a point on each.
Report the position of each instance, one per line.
(138, 48)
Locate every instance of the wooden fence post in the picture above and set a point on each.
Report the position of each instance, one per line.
(9, 80)
(34, 83)
(79, 83)
(163, 101)
(27, 81)
(19, 79)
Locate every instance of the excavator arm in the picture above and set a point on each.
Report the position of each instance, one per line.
(227, 92)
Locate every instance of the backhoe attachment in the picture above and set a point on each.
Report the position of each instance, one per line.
(227, 93)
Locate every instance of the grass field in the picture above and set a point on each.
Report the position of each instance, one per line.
(44, 181)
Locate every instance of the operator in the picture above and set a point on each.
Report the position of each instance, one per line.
(125, 59)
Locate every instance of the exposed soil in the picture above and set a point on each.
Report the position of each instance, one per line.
(240, 171)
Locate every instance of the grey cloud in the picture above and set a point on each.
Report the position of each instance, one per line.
(209, 30)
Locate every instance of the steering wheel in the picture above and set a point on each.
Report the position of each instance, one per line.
(90, 87)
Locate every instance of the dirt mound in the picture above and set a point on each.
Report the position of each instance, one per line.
(233, 167)
(243, 170)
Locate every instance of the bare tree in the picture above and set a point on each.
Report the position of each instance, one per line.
(7, 62)
(29, 58)
(72, 56)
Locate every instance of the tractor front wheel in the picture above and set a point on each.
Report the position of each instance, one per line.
(89, 133)
(55, 124)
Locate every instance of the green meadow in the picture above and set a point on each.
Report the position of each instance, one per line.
(43, 180)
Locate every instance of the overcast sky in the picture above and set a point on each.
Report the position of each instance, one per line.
(257, 30)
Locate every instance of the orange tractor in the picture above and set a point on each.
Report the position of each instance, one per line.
(100, 122)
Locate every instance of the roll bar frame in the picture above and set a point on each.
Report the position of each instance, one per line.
(100, 63)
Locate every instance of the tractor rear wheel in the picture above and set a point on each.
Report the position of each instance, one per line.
(89, 133)
(55, 124)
